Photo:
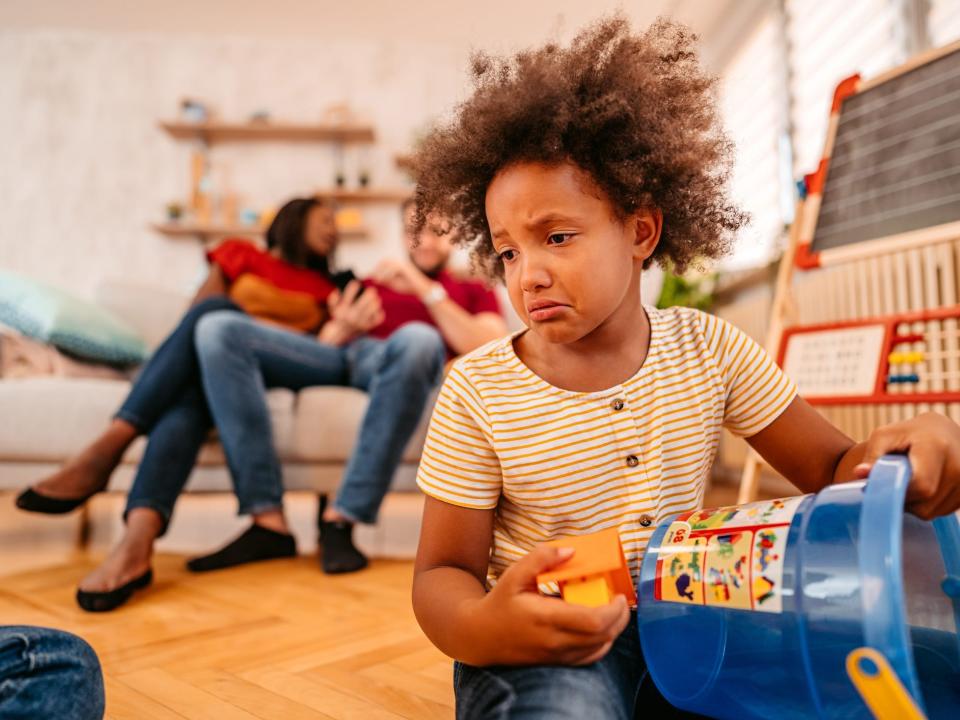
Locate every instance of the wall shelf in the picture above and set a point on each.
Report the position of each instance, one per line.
(209, 232)
(372, 195)
(214, 132)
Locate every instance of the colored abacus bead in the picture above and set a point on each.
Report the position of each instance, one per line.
(895, 379)
(898, 358)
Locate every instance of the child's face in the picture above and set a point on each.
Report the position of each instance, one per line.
(569, 263)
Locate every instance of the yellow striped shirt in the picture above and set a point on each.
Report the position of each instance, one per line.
(556, 462)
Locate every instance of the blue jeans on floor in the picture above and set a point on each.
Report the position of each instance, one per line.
(48, 674)
(167, 404)
(240, 358)
(617, 687)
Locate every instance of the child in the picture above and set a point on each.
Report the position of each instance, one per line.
(575, 168)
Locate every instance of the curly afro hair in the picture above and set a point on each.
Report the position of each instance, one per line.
(636, 112)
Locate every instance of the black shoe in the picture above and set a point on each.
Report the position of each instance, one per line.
(338, 554)
(32, 501)
(108, 600)
(256, 543)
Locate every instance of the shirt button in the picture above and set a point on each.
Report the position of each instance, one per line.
(646, 520)
(617, 404)
(632, 460)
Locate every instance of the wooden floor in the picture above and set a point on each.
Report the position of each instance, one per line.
(271, 640)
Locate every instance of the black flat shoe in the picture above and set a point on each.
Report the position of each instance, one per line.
(93, 601)
(255, 544)
(338, 554)
(32, 501)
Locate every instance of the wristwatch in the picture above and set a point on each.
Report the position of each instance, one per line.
(435, 294)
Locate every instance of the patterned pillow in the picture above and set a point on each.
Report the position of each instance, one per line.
(75, 326)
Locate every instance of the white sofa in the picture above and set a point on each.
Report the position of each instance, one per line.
(45, 420)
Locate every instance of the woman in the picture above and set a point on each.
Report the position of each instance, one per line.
(289, 285)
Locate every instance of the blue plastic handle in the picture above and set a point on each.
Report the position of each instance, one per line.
(881, 519)
(948, 535)
(885, 624)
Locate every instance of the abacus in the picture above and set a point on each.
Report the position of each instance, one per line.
(903, 358)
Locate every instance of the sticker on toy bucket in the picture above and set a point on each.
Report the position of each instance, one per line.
(727, 557)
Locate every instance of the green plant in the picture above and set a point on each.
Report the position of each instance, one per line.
(689, 290)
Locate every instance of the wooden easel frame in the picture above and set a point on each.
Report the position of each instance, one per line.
(798, 254)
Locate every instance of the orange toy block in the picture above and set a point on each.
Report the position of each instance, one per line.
(596, 573)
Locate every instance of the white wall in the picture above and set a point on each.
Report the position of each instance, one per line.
(84, 168)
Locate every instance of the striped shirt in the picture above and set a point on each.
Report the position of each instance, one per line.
(555, 462)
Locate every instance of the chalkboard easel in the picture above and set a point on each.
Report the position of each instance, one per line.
(889, 182)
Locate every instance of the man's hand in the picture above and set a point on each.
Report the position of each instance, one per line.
(402, 276)
(526, 628)
(932, 443)
(351, 316)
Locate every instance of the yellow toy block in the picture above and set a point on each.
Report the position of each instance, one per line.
(590, 592)
(596, 573)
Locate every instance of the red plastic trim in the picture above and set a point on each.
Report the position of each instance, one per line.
(805, 259)
(846, 88)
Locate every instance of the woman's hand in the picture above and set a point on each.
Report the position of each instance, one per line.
(350, 315)
(522, 627)
(932, 443)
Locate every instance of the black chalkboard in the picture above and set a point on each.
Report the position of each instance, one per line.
(895, 165)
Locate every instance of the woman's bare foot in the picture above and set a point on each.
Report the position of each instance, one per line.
(272, 520)
(89, 472)
(131, 557)
(123, 564)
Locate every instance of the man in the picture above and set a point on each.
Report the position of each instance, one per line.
(393, 348)
(418, 289)
(422, 289)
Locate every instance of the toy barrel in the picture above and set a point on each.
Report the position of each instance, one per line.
(751, 611)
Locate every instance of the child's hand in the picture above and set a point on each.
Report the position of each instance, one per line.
(932, 443)
(528, 628)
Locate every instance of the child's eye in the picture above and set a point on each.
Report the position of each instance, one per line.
(508, 255)
(559, 238)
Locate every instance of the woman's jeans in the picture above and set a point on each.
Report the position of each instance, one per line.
(617, 687)
(48, 674)
(167, 404)
(240, 358)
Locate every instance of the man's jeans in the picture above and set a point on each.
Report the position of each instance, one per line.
(167, 404)
(48, 674)
(240, 358)
(617, 687)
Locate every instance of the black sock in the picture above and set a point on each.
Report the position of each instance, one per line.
(256, 543)
(338, 553)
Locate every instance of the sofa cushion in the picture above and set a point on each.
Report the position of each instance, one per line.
(152, 312)
(74, 325)
(328, 422)
(51, 419)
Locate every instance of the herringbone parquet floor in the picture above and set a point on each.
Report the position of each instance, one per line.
(272, 640)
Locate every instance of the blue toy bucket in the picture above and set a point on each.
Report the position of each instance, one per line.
(751, 611)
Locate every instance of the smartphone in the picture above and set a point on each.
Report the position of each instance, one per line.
(343, 278)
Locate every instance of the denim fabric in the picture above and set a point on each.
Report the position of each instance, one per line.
(167, 403)
(240, 358)
(617, 687)
(48, 674)
(170, 370)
